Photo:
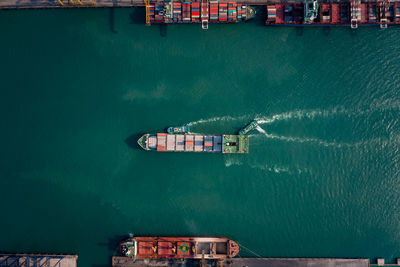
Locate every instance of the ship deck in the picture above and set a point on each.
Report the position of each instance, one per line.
(240, 262)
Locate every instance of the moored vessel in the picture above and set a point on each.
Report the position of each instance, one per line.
(179, 248)
(351, 13)
(203, 12)
(163, 142)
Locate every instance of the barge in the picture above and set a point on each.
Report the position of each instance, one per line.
(203, 12)
(163, 142)
(353, 13)
(179, 248)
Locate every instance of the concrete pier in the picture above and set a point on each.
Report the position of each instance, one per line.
(240, 262)
(31, 260)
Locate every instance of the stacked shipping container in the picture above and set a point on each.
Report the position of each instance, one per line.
(177, 11)
(196, 11)
(186, 12)
(271, 13)
(213, 11)
(161, 141)
(232, 14)
(223, 12)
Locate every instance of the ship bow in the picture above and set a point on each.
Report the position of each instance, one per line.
(142, 141)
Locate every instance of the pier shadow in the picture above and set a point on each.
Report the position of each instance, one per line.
(111, 19)
(137, 16)
(299, 31)
(260, 17)
(163, 30)
(112, 242)
(131, 141)
(326, 31)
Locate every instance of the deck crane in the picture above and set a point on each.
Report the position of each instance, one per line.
(383, 8)
(355, 13)
(147, 4)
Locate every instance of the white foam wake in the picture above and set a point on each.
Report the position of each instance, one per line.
(215, 119)
(302, 139)
(300, 114)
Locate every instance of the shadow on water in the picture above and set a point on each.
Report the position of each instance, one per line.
(112, 242)
(299, 30)
(259, 18)
(111, 20)
(163, 30)
(131, 141)
(138, 15)
(326, 31)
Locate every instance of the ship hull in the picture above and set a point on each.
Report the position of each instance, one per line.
(179, 248)
(199, 12)
(163, 142)
(347, 14)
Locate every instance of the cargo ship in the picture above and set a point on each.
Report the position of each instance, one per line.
(198, 12)
(179, 248)
(164, 142)
(353, 13)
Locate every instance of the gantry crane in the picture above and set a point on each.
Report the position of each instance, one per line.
(147, 4)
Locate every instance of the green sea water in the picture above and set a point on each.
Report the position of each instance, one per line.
(78, 87)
